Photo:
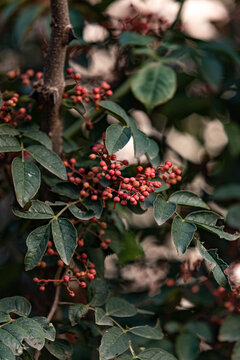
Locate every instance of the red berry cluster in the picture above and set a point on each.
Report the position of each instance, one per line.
(80, 93)
(28, 78)
(100, 233)
(10, 112)
(139, 22)
(121, 189)
(80, 276)
(230, 300)
(170, 173)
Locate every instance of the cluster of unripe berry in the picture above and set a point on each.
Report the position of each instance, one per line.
(80, 93)
(10, 113)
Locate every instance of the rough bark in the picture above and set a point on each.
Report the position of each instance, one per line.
(53, 79)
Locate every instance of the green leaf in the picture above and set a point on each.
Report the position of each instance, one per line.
(163, 210)
(69, 190)
(152, 150)
(95, 206)
(131, 38)
(201, 329)
(31, 332)
(48, 328)
(79, 107)
(5, 352)
(38, 210)
(60, 348)
(227, 192)
(233, 132)
(80, 214)
(6, 129)
(38, 136)
(65, 238)
(187, 346)
(26, 180)
(148, 332)
(207, 221)
(130, 249)
(219, 268)
(101, 318)
(236, 351)
(99, 290)
(117, 137)
(10, 341)
(154, 84)
(49, 160)
(119, 307)
(233, 216)
(114, 342)
(187, 198)
(230, 328)
(182, 234)
(26, 355)
(36, 242)
(155, 354)
(25, 19)
(141, 143)
(203, 217)
(76, 313)
(212, 71)
(115, 110)
(15, 304)
(9, 144)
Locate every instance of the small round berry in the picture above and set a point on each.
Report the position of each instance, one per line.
(116, 199)
(60, 263)
(83, 284)
(73, 161)
(84, 256)
(50, 251)
(42, 288)
(139, 168)
(92, 156)
(94, 197)
(66, 279)
(90, 276)
(69, 71)
(35, 279)
(80, 242)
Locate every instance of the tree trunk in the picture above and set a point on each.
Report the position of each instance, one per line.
(51, 90)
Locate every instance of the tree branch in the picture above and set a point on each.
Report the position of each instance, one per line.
(53, 79)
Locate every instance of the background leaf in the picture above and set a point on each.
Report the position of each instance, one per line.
(154, 84)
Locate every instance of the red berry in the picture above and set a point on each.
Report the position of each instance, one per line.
(116, 199)
(94, 197)
(66, 279)
(92, 156)
(84, 256)
(50, 251)
(83, 284)
(35, 279)
(42, 288)
(73, 161)
(69, 71)
(109, 93)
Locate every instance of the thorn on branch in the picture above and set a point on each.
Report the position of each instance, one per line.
(68, 35)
